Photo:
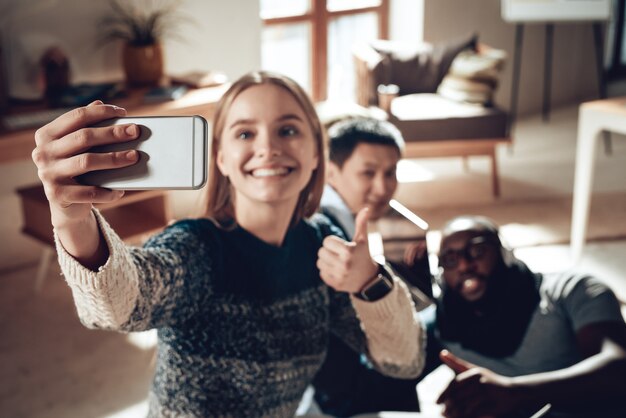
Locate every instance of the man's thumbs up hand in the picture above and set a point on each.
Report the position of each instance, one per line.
(360, 224)
(348, 266)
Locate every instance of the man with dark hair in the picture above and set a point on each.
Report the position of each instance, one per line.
(363, 156)
(518, 339)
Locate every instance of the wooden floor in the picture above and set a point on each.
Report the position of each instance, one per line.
(52, 366)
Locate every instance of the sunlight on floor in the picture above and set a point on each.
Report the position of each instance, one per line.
(137, 410)
(516, 235)
(146, 340)
(546, 258)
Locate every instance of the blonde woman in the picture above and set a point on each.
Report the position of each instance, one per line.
(244, 298)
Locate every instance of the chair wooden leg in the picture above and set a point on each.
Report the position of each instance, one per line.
(494, 173)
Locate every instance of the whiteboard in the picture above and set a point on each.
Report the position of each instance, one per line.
(555, 10)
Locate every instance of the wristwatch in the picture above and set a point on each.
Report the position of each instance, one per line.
(378, 287)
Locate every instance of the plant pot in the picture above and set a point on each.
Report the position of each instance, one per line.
(143, 65)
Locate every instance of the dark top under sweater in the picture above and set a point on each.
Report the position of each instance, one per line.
(243, 326)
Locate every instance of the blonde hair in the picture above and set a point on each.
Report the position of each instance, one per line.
(218, 201)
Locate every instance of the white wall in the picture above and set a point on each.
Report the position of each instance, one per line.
(225, 36)
(406, 21)
(216, 35)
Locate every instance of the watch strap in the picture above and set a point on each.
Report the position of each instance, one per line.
(378, 287)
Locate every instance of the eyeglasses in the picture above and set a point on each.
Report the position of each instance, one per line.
(475, 249)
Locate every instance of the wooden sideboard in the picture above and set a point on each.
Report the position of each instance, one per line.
(136, 215)
(18, 145)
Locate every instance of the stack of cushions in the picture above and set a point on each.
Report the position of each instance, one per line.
(473, 76)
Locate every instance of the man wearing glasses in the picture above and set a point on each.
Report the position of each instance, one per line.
(519, 340)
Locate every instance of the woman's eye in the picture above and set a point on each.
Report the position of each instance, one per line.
(288, 131)
(244, 135)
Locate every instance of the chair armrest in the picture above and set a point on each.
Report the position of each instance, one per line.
(366, 59)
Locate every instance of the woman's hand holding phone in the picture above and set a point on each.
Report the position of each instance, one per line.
(60, 157)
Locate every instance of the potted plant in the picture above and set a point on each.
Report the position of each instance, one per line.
(142, 26)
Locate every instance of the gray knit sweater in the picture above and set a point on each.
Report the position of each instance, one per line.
(242, 325)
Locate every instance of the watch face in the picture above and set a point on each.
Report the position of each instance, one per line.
(377, 290)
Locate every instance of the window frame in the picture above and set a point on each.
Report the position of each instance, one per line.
(318, 17)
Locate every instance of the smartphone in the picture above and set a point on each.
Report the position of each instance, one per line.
(172, 155)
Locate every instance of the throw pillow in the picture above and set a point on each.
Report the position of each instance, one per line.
(473, 76)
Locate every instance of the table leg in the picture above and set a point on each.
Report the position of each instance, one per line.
(598, 42)
(495, 182)
(517, 62)
(588, 132)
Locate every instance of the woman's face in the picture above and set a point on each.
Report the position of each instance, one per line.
(267, 148)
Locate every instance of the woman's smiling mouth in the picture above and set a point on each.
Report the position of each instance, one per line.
(270, 172)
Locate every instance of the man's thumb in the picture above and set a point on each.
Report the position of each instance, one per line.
(360, 225)
(456, 364)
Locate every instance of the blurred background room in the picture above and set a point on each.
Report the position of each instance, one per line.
(56, 54)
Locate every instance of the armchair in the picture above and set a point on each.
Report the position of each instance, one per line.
(443, 105)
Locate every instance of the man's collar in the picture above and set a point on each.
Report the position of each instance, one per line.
(334, 204)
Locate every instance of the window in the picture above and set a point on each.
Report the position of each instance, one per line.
(311, 41)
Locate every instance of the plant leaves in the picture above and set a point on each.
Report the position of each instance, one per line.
(141, 25)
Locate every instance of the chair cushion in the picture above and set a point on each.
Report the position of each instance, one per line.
(429, 117)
